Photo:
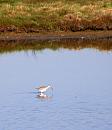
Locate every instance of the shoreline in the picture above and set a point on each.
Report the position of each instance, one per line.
(56, 36)
(101, 41)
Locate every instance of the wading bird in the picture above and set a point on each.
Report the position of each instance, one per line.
(42, 89)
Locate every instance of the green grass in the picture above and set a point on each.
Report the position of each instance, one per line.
(50, 15)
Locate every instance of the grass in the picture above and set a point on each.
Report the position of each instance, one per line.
(49, 15)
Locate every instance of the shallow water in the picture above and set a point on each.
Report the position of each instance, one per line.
(82, 90)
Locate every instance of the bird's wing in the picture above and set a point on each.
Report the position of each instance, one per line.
(41, 87)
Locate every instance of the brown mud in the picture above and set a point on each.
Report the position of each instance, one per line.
(56, 36)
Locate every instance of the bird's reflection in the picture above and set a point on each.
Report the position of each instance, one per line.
(43, 96)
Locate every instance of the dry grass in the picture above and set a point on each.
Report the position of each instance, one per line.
(34, 15)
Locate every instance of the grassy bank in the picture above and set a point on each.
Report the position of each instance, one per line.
(49, 15)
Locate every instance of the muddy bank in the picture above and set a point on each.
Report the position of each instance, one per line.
(57, 36)
(101, 41)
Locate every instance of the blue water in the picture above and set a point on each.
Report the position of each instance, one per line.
(82, 90)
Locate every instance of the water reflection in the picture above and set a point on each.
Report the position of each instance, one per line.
(43, 96)
(101, 45)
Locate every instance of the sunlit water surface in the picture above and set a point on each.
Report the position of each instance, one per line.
(82, 90)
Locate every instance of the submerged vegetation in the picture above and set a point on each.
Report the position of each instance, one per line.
(60, 15)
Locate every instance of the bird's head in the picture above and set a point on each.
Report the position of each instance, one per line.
(50, 86)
